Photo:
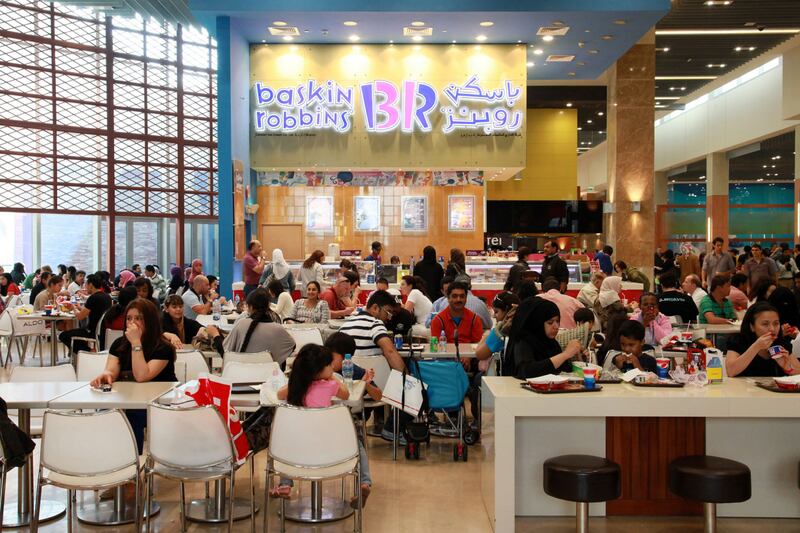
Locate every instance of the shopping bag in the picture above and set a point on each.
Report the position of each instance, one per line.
(213, 391)
(393, 393)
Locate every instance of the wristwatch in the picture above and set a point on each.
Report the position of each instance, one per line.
(136, 348)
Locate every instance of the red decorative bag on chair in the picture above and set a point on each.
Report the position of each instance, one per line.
(212, 391)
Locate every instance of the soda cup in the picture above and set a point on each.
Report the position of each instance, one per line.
(589, 378)
(434, 344)
(398, 341)
(662, 364)
(48, 309)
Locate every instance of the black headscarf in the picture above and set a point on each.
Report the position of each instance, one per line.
(529, 348)
(784, 301)
(18, 273)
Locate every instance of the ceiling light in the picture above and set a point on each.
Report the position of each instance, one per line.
(718, 2)
(354, 38)
(350, 23)
(288, 38)
(529, 63)
(417, 23)
(600, 113)
(760, 179)
(744, 31)
(579, 128)
(391, 41)
(263, 40)
(518, 41)
(607, 37)
(668, 97)
(279, 23)
(600, 132)
(416, 38)
(487, 23)
(569, 104)
(481, 38)
(751, 48)
(571, 74)
(454, 41)
(620, 22)
(547, 38)
(589, 121)
(686, 77)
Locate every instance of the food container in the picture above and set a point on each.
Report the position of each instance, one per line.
(788, 383)
(548, 382)
(578, 368)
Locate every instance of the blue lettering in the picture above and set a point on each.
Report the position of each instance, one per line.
(344, 96)
(273, 122)
(284, 97)
(264, 94)
(314, 94)
(306, 119)
(260, 116)
(289, 122)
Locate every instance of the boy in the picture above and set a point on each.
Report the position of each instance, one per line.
(633, 352)
(340, 344)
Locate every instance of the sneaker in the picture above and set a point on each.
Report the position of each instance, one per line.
(388, 435)
(444, 431)
(375, 430)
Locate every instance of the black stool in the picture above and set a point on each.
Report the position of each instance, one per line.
(581, 479)
(711, 480)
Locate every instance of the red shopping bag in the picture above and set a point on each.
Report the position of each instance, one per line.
(211, 391)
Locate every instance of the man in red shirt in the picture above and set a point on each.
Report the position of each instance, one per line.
(252, 267)
(457, 316)
(338, 296)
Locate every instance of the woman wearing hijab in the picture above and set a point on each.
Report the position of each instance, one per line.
(278, 270)
(532, 346)
(126, 278)
(195, 270)
(431, 273)
(177, 281)
(608, 302)
(18, 274)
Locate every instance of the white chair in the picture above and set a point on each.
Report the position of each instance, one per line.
(238, 357)
(90, 364)
(192, 444)
(180, 371)
(111, 336)
(7, 333)
(30, 374)
(101, 454)
(293, 455)
(24, 328)
(237, 372)
(195, 363)
(303, 336)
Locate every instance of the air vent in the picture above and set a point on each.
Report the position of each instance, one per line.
(559, 58)
(554, 31)
(409, 31)
(294, 31)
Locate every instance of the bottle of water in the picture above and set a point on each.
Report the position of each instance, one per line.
(347, 370)
(276, 384)
(216, 310)
(442, 341)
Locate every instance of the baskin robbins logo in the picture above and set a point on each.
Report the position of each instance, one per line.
(386, 107)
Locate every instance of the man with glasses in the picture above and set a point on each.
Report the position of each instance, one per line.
(369, 332)
(338, 296)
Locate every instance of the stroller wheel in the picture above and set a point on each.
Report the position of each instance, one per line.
(464, 453)
(455, 452)
(408, 450)
(471, 437)
(416, 452)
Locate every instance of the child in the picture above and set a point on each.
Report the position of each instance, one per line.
(633, 352)
(584, 318)
(341, 344)
(311, 384)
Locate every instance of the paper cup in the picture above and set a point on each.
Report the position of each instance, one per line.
(589, 377)
(663, 367)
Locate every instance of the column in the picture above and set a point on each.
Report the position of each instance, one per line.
(716, 197)
(797, 185)
(225, 157)
(661, 201)
(631, 228)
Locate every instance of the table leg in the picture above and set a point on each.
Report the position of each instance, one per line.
(21, 514)
(54, 343)
(116, 512)
(215, 510)
(317, 509)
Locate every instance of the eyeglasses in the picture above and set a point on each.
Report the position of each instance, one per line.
(389, 314)
(649, 306)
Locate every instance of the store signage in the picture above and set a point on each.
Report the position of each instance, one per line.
(493, 241)
(385, 106)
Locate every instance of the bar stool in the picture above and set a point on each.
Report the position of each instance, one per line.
(582, 479)
(711, 480)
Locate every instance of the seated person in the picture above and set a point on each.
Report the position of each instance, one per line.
(311, 309)
(532, 348)
(440, 303)
(567, 305)
(55, 285)
(311, 384)
(748, 354)
(739, 289)
(177, 328)
(369, 332)
(280, 300)
(715, 308)
(195, 298)
(382, 284)
(456, 317)
(338, 296)
(674, 302)
(144, 289)
(96, 304)
(633, 352)
(413, 288)
(583, 319)
(341, 344)
(656, 324)
(504, 306)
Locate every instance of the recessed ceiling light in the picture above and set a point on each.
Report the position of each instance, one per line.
(745, 31)
(589, 121)
(481, 38)
(569, 104)
(518, 41)
(417, 23)
(416, 38)
(487, 23)
(620, 22)
(288, 38)
(607, 37)
(350, 23)
(579, 128)
(454, 41)
(600, 113)
(529, 63)
(538, 51)
(571, 74)
(444, 31)
(278, 23)
(391, 41)
(594, 51)
(547, 38)
(354, 38)
(263, 40)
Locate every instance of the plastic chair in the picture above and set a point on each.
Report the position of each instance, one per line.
(239, 357)
(192, 444)
(303, 336)
(102, 454)
(30, 374)
(6, 332)
(293, 455)
(195, 363)
(248, 372)
(180, 371)
(382, 370)
(111, 336)
(90, 364)
(23, 329)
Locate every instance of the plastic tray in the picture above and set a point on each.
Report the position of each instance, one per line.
(771, 386)
(671, 385)
(571, 387)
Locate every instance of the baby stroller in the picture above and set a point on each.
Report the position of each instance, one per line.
(446, 384)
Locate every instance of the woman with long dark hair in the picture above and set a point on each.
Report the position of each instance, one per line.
(177, 281)
(748, 355)
(431, 273)
(311, 270)
(18, 273)
(457, 264)
(413, 288)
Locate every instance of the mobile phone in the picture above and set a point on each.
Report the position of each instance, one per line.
(105, 387)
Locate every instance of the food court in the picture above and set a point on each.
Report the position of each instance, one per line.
(456, 266)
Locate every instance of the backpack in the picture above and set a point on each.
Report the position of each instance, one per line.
(16, 444)
(461, 276)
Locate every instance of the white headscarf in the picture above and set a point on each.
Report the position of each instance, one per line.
(609, 290)
(279, 266)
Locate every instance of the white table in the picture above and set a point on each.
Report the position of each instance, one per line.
(123, 395)
(465, 350)
(24, 397)
(223, 323)
(521, 429)
(713, 330)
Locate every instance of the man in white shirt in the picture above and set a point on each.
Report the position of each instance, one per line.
(693, 287)
(195, 299)
(77, 283)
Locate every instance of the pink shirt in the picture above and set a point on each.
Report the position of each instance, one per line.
(321, 392)
(567, 305)
(250, 276)
(738, 299)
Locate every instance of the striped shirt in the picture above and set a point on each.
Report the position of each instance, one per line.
(366, 331)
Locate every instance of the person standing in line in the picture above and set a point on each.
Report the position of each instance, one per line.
(688, 262)
(554, 266)
(312, 270)
(717, 262)
(376, 248)
(430, 271)
(517, 269)
(759, 267)
(603, 259)
(279, 270)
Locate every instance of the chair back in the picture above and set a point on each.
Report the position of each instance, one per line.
(377, 363)
(291, 427)
(98, 442)
(111, 336)
(6, 325)
(14, 301)
(303, 336)
(188, 437)
(98, 330)
(248, 372)
(195, 363)
(180, 371)
(25, 325)
(239, 357)
(30, 374)
(91, 364)
(675, 320)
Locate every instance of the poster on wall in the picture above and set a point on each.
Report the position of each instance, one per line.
(461, 213)
(414, 213)
(319, 213)
(367, 213)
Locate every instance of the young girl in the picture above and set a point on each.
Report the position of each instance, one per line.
(311, 384)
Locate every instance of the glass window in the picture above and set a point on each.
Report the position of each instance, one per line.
(145, 242)
(68, 239)
(120, 244)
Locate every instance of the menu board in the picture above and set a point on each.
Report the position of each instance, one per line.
(414, 213)
(461, 213)
(319, 213)
(367, 213)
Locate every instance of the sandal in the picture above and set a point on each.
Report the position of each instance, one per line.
(365, 490)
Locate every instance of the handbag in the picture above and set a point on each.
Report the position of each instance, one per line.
(257, 428)
(17, 445)
(404, 392)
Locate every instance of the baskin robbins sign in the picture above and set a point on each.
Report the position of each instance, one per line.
(410, 106)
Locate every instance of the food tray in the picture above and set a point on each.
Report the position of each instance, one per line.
(570, 387)
(671, 385)
(609, 380)
(245, 388)
(771, 386)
